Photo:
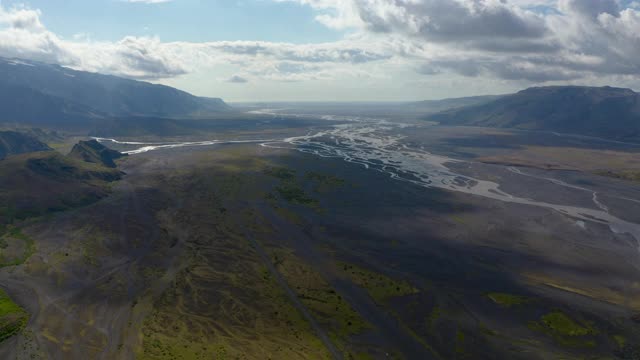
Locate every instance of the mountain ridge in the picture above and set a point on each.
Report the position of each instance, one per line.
(93, 152)
(607, 112)
(39, 93)
(14, 143)
(36, 183)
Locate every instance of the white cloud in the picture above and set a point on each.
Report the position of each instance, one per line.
(237, 79)
(21, 18)
(533, 40)
(23, 35)
(520, 41)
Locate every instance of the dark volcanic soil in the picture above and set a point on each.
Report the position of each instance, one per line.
(191, 256)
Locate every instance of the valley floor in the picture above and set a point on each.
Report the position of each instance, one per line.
(240, 251)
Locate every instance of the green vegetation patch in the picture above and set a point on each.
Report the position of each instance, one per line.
(460, 340)
(37, 184)
(295, 194)
(359, 356)
(335, 314)
(289, 189)
(380, 287)
(564, 330)
(290, 216)
(433, 318)
(246, 316)
(507, 300)
(562, 324)
(281, 173)
(324, 182)
(622, 175)
(620, 340)
(13, 318)
(15, 247)
(226, 304)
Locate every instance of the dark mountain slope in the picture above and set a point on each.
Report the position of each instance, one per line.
(37, 183)
(596, 111)
(24, 105)
(40, 93)
(453, 103)
(94, 152)
(12, 142)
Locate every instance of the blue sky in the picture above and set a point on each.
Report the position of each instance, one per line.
(334, 50)
(183, 20)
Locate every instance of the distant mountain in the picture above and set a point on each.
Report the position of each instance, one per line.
(595, 111)
(395, 109)
(12, 143)
(453, 103)
(93, 152)
(39, 93)
(24, 105)
(46, 136)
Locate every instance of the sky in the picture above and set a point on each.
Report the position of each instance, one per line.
(334, 50)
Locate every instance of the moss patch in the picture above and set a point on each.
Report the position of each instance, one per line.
(380, 287)
(293, 193)
(13, 318)
(225, 303)
(433, 318)
(562, 324)
(622, 175)
(565, 330)
(620, 340)
(289, 188)
(260, 324)
(507, 300)
(324, 182)
(334, 313)
(15, 246)
(280, 173)
(37, 184)
(460, 340)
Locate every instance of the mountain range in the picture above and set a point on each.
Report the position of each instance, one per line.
(43, 94)
(52, 96)
(606, 112)
(435, 106)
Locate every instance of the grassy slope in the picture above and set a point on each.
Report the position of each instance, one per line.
(93, 152)
(12, 142)
(37, 183)
(12, 317)
(34, 184)
(335, 314)
(15, 247)
(224, 303)
(381, 288)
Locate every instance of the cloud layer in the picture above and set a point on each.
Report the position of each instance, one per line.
(519, 40)
(533, 41)
(23, 35)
